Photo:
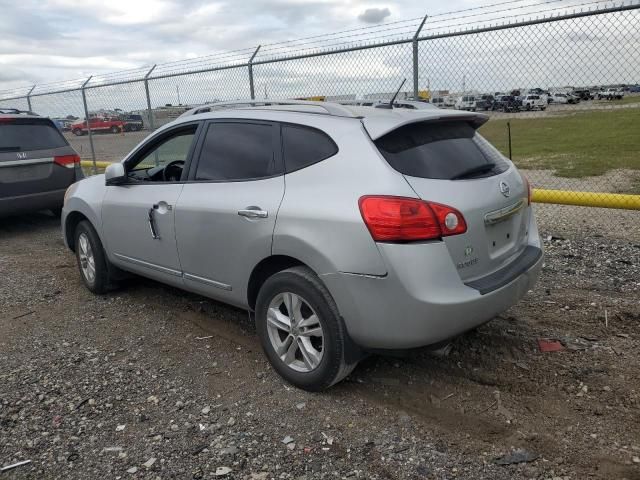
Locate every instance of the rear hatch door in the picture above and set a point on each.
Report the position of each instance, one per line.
(448, 162)
(28, 149)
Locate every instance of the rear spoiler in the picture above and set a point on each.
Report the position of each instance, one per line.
(378, 126)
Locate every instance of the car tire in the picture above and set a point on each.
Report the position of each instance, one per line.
(291, 349)
(77, 132)
(91, 259)
(542, 109)
(115, 129)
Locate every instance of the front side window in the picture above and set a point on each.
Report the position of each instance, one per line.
(163, 160)
(237, 151)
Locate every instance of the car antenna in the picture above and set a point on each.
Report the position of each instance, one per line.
(393, 99)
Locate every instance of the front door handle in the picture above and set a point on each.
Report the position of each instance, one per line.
(152, 223)
(253, 212)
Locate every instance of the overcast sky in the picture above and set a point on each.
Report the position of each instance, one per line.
(51, 40)
(44, 41)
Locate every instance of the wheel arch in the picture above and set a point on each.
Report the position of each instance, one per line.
(266, 268)
(70, 224)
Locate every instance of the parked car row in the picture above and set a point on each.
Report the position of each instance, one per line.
(99, 124)
(533, 99)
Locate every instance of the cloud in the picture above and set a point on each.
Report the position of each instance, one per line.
(374, 15)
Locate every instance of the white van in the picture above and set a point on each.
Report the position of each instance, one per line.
(466, 102)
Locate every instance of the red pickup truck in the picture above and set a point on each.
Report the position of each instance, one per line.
(98, 124)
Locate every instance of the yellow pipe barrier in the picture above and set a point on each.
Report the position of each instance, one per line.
(559, 197)
(587, 199)
(89, 164)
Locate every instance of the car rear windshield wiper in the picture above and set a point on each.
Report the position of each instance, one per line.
(477, 170)
(10, 149)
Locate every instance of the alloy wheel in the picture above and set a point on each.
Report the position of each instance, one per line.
(87, 260)
(295, 332)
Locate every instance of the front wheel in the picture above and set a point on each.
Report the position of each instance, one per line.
(77, 132)
(92, 262)
(115, 129)
(301, 331)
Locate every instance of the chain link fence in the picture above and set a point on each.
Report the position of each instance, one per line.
(560, 89)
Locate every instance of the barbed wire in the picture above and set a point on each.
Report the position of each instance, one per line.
(351, 38)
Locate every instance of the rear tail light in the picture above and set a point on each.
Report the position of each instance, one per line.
(400, 219)
(68, 161)
(528, 187)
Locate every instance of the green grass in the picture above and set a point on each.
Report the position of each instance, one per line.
(626, 99)
(576, 145)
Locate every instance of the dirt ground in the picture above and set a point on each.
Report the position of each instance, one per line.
(151, 382)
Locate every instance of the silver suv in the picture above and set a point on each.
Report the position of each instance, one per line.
(342, 229)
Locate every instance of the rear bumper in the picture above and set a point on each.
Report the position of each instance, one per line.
(423, 302)
(31, 202)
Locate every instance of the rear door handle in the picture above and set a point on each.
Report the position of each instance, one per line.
(253, 212)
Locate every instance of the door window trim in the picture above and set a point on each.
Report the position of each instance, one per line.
(275, 147)
(159, 138)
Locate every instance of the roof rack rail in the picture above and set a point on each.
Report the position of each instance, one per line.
(9, 110)
(334, 109)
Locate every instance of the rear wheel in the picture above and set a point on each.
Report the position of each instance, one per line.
(301, 331)
(92, 262)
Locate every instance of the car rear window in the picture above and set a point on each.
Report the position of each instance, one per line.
(446, 151)
(21, 135)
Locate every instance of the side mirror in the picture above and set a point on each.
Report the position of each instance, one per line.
(114, 174)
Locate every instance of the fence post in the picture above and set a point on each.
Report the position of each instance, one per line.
(86, 119)
(250, 63)
(146, 90)
(29, 98)
(415, 58)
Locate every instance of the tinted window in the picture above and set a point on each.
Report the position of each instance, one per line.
(237, 151)
(447, 151)
(305, 146)
(21, 135)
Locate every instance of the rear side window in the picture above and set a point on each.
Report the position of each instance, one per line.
(446, 151)
(237, 151)
(21, 135)
(304, 146)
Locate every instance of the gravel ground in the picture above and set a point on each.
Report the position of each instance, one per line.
(151, 382)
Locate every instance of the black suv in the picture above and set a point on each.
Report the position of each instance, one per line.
(37, 164)
(507, 103)
(485, 102)
(132, 122)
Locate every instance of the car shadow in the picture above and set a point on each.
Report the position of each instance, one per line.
(28, 222)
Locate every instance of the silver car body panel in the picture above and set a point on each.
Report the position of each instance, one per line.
(389, 295)
(219, 248)
(126, 208)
